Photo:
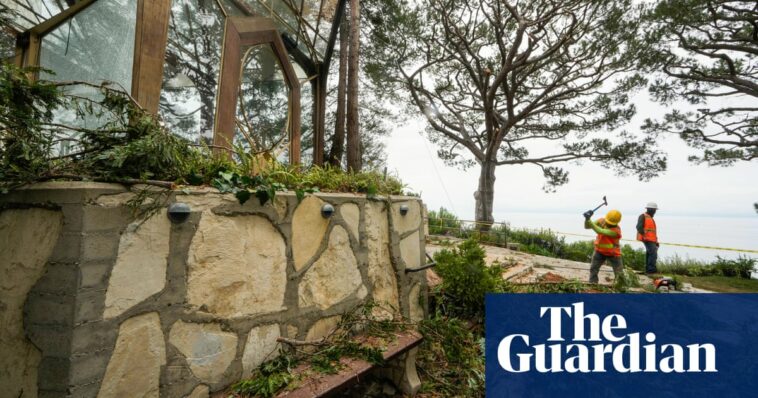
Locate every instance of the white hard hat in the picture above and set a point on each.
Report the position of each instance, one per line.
(651, 205)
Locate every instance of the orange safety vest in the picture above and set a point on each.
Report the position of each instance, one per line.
(649, 229)
(608, 246)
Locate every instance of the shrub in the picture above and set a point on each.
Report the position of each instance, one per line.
(578, 251)
(451, 358)
(633, 258)
(466, 278)
(741, 267)
(738, 268)
(443, 222)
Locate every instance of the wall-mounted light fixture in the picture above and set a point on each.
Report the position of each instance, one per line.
(178, 212)
(403, 210)
(327, 210)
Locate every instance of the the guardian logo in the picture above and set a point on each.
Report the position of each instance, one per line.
(593, 342)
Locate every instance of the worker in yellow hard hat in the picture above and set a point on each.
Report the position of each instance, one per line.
(607, 243)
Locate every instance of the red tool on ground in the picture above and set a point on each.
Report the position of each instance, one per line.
(665, 281)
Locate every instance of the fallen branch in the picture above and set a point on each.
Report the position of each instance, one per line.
(296, 343)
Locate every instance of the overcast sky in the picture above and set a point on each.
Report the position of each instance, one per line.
(684, 189)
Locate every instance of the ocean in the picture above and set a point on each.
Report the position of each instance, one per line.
(723, 232)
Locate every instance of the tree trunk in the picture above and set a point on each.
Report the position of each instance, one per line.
(338, 140)
(485, 195)
(353, 133)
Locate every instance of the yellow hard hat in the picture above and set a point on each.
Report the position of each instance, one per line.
(613, 217)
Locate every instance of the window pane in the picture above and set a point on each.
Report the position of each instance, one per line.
(263, 103)
(191, 71)
(96, 45)
(306, 113)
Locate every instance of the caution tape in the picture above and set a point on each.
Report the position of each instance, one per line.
(592, 236)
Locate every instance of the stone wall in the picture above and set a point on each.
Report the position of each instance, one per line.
(96, 303)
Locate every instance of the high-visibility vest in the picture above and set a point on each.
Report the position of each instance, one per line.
(649, 229)
(608, 246)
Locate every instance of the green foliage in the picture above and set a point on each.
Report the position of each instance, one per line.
(275, 375)
(278, 177)
(549, 244)
(738, 268)
(25, 106)
(443, 222)
(579, 251)
(435, 55)
(466, 278)
(633, 258)
(451, 358)
(269, 379)
(626, 280)
(703, 53)
(130, 144)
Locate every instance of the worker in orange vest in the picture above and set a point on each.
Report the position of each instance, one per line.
(647, 233)
(607, 243)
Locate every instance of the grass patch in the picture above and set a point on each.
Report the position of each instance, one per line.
(722, 284)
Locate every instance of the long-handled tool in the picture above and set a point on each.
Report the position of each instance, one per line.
(589, 213)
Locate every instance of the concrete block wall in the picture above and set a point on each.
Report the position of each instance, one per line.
(96, 303)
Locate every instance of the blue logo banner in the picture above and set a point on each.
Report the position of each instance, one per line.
(621, 345)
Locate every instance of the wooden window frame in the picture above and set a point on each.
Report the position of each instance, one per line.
(150, 39)
(242, 32)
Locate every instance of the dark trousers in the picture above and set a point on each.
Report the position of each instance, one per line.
(598, 259)
(651, 257)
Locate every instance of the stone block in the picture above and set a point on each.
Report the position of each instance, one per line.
(237, 266)
(94, 274)
(89, 306)
(67, 248)
(53, 340)
(96, 218)
(85, 390)
(177, 380)
(59, 279)
(381, 273)
(207, 349)
(201, 391)
(261, 346)
(140, 269)
(352, 216)
(410, 250)
(99, 246)
(334, 276)
(89, 367)
(49, 309)
(93, 336)
(323, 328)
(415, 303)
(308, 229)
(52, 374)
(134, 368)
(72, 217)
(69, 191)
(411, 221)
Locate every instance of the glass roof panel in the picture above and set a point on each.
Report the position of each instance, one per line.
(308, 22)
(29, 13)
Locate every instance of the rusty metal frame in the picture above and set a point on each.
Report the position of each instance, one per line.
(250, 31)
